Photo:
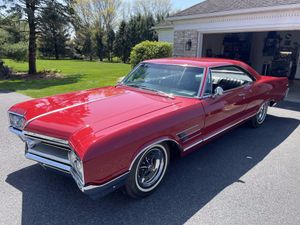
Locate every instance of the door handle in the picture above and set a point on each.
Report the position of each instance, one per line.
(241, 95)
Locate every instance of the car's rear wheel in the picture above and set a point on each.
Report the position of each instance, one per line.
(148, 171)
(260, 116)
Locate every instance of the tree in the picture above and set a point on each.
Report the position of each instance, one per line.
(32, 10)
(87, 48)
(122, 45)
(157, 8)
(13, 36)
(133, 30)
(110, 43)
(129, 34)
(107, 12)
(53, 30)
(146, 28)
(140, 29)
(100, 48)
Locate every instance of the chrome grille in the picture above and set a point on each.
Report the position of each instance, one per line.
(50, 152)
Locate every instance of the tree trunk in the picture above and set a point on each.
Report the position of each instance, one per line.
(56, 51)
(32, 51)
(30, 6)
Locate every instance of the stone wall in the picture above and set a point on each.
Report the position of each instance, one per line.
(185, 43)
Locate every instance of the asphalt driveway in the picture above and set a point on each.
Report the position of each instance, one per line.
(247, 176)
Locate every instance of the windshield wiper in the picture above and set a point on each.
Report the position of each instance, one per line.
(151, 89)
(133, 85)
(158, 92)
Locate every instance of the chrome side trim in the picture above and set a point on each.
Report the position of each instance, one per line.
(48, 163)
(218, 132)
(193, 145)
(150, 146)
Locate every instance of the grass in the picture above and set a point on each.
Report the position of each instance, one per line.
(78, 75)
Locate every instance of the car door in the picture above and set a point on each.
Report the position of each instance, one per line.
(222, 111)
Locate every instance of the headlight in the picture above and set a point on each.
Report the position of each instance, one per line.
(16, 121)
(76, 165)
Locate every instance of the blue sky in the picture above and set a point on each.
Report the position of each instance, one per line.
(183, 4)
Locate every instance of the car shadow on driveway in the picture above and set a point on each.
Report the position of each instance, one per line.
(294, 106)
(190, 184)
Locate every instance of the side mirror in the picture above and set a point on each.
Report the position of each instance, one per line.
(218, 91)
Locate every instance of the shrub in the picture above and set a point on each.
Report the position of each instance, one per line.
(17, 51)
(150, 50)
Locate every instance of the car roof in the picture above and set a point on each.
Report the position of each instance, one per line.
(205, 62)
(201, 62)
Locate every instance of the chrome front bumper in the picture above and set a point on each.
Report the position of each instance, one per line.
(48, 163)
(57, 160)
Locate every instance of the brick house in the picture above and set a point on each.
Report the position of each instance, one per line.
(265, 34)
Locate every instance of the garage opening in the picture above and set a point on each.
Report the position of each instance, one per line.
(273, 53)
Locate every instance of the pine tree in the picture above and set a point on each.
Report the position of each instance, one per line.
(31, 10)
(100, 48)
(110, 43)
(122, 45)
(87, 48)
(53, 31)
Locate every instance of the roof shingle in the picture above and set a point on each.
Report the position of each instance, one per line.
(213, 6)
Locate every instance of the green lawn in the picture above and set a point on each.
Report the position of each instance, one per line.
(78, 75)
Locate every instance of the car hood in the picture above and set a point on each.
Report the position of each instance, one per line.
(97, 109)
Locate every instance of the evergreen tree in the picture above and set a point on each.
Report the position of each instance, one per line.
(87, 48)
(133, 31)
(122, 44)
(100, 48)
(31, 9)
(139, 28)
(53, 30)
(110, 43)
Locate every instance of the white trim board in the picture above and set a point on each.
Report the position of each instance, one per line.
(260, 21)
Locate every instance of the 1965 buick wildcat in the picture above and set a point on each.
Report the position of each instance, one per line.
(124, 135)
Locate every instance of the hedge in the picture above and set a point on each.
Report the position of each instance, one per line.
(150, 50)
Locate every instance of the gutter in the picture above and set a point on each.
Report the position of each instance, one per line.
(235, 12)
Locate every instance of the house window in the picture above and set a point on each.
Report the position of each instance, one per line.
(188, 45)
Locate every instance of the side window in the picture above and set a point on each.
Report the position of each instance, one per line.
(229, 77)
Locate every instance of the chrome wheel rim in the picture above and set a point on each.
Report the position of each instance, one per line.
(151, 168)
(262, 113)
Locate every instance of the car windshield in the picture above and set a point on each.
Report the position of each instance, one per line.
(169, 79)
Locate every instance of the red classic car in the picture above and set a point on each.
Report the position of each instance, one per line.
(125, 135)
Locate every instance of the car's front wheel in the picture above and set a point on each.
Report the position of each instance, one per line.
(148, 171)
(260, 116)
